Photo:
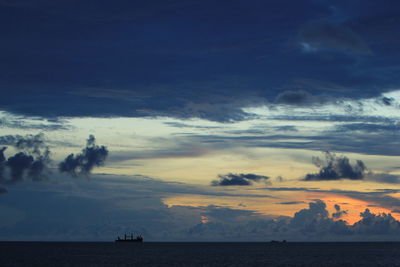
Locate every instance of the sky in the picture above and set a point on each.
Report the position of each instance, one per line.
(187, 120)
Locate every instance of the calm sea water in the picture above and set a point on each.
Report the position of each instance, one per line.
(198, 254)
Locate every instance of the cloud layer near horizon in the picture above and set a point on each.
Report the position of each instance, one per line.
(111, 205)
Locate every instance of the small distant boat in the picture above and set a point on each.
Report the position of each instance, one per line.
(138, 239)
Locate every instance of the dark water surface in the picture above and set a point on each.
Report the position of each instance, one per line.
(198, 254)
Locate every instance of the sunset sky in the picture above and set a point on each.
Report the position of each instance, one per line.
(200, 120)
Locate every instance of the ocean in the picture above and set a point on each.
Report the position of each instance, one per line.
(198, 254)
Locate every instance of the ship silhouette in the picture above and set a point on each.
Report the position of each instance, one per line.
(138, 239)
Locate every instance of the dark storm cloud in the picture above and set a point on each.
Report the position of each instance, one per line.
(336, 168)
(23, 165)
(82, 164)
(40, 166)
(32, 143)
(31, 163)
(298, 97)
(19, 164)
(2, 163)
(95, 12)
(339, 167)
(211, 68)
(388, 101)
(240, 179)
(325, 35)
(338, 212)
(223, 106)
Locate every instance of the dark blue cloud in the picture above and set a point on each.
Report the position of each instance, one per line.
(325, 35)
(338, 212)
(83, 163)
(19, 164)
(364, 134)
(241, 179)
(31, 162)
(187, 59)
(2, 163)
(337, 168)
(298, 98)
(123, 204)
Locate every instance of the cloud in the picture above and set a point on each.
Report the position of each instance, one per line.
(290, 202)
(316, 219)
(117, 204)
(82, 164)
(380, 197)
(217, 213)
(388, 101)
(111, 205)
(287, 128)
(298, 97)
(40, 166)
(338, 213)
(2, 163)
(381, 128)
(325, 35)
(373, 224)
(315, 213)
(312, 223)
(28, 143)
(24, 165)
(19, 164)
(336, 168)
(19, 123)
(176, 79)
(185, 125)
(383, 177)
(339, 167)
(32, 162)
(240, 179)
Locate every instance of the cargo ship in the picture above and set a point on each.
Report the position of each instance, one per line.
(138, 239)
